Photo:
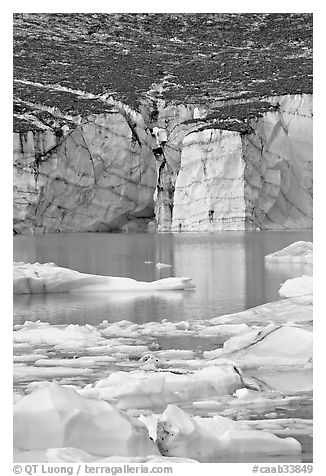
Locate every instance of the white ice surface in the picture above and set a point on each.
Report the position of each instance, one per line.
(298, 252)
(208, 439)
(147, 389)
(72, 335)
(301, 286)
(48, 278)
(271, 346)
(26, 373)
(163, 265)
(57, 417)
(297, 310)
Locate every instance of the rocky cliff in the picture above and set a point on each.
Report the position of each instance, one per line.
(163, 126)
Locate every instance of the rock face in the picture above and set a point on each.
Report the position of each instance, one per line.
(100, 177)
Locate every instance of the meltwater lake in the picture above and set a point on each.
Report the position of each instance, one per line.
(227, 268)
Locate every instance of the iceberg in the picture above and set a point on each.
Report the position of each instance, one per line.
(298, 252)
(43, 333)
(58, 417)
(302, 286)
(296, 310)
(147, 389)
(212, 439)
(163, 265)
(271, 346)
(48, 278)
(25, 373)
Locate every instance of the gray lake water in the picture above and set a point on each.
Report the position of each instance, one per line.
(227, 268)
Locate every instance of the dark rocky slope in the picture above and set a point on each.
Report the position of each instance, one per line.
(87, 86)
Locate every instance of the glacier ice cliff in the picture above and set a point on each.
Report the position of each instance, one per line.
(230, 166)
(240, 179)
(100, 177)
(165, 122)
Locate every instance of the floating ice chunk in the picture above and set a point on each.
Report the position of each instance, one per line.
(245, 393)
(80, 362)
(283, 426)
(297, 309)
(56, 417)
(175, 354)
(212, 354)
(297, 287)
(298, 252)
(141, 389)
(24, 373)
(163, 265)
(22, 347)
(224, 329)
(122, 328)
(183, 325)
(286, 381)
(209, 439)
(47, 278)
(28, 358)
(73, 335)
(272, 346)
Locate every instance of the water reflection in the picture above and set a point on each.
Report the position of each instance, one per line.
(227, 267)
(93, 308)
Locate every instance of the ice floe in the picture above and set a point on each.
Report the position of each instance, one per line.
(72, 336)
(301, 286)
(287, 381)
(57, 417)
(48, 278)
(148, 389)
(298, 252)
(270, 346)
(296, 310)
(210, 439)
(163, 265)
(24, 373)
